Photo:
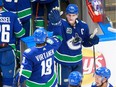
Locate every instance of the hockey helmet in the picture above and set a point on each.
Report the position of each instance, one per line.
(75, 78)
(103, 72)
(72, 9)
(1, 3)
(40, 35)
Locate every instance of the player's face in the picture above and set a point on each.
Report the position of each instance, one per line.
(71, 18)
(98, 80)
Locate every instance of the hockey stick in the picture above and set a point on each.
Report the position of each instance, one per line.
(93, 34)
(37, 8)
(20, 72)
(17, 40)
(18, 83)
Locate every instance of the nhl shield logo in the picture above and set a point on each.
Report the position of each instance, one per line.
(69, 30)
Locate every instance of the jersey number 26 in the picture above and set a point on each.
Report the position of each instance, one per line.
(5, 35)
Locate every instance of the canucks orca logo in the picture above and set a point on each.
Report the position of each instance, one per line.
(72, 46)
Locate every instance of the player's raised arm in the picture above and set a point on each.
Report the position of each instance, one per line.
(54, 16)
(55, 21)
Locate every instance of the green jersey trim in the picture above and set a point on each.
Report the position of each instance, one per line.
(67, 58)
(13, 46)
(39, 23)
(21, 33)
(24, 13)
(35, 84)
(26, 73)
(59, 37)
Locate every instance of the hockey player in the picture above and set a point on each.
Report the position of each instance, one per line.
(37, 66)
(23, 9)
(10, 29)
(39, 7)
(75, 79)
(102, 75)
(75, 33)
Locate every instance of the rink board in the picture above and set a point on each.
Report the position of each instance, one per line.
(105, 55)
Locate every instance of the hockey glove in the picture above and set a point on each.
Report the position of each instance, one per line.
(15, 81)
(15, 84)
(54, 16)
(18, 81)
(94, 40)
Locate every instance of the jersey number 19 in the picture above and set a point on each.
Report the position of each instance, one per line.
(46, 67)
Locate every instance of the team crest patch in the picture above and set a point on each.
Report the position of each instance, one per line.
(69, 30)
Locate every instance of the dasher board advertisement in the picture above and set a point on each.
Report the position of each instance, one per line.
(105, 55)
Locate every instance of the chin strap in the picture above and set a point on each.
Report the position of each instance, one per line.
(102, 82)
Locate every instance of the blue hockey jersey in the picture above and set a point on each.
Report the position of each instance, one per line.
(10, 28)
(43, 1)
(69, 53)
(21, 7)
(94, 85)
(38, 64)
